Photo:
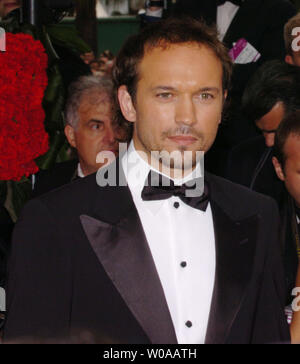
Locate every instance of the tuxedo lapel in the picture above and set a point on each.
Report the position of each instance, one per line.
(123, 251)
(235, 250)
(242, 22)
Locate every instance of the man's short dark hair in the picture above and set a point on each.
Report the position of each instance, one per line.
(163, 34)
(290, 125)
(275, 81)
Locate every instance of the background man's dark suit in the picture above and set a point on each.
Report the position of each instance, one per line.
(250, 164)
(81, 261)
(288, 218)
(50, 179)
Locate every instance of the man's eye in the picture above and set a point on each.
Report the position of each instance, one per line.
(164, 95)
(96, 126)
(206, 96)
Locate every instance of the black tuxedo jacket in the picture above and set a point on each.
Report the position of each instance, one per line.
(250, 164)
(291, 260)
(81, 261)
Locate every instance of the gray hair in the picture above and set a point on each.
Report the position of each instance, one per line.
(83, 87)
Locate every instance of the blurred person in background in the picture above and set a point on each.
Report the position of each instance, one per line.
(6, 6)
(89, 129)
(272, 93)
(286, 162)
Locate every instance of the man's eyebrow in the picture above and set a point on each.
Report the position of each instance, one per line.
(165, 88)
(202, 89)
(212, 89)
(95, 121)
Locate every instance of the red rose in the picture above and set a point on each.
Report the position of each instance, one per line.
(23, 81)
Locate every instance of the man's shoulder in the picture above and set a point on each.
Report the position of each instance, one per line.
(255, 144)
(238, 199)
(58, 175)
(246, 155)
(83, 196)
(74, 193)
(280, 5)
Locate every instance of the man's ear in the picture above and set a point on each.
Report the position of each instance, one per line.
(278, 169)
(289, 59)
(70, 135)
(126, 104)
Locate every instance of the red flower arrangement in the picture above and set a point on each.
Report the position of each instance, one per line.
(23, 80)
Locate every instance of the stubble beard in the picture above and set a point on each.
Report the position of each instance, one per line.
(178, 161)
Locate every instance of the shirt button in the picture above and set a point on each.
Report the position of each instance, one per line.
(176, 205)
(188, 324)
(183, 264)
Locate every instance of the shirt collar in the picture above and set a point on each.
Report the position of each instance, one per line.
(79, 171)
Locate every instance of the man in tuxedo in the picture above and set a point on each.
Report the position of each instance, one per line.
(89, 130)
(156, 263)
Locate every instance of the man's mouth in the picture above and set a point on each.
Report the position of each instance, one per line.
(183, 139)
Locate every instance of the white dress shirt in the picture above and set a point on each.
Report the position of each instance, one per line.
(182, 244)
(225, 15)
(79, 171)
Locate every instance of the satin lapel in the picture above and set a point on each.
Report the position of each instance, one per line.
(235, 249)
(124, 253)
(242, 22)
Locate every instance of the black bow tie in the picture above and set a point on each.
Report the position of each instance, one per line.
(235, 2)
(159, 187)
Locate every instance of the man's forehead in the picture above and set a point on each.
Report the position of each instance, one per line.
(292, 146)
(95, 98)
(171, 61)
(165, 48)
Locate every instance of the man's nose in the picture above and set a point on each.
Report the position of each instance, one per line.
(185, 111)
(269, 139)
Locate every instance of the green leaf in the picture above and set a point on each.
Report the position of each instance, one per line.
(67, 36)
(47, 161)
